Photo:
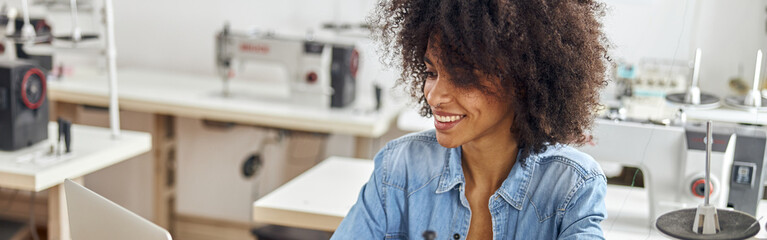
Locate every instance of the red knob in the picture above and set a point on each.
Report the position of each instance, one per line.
(311, 77)
(699, 188)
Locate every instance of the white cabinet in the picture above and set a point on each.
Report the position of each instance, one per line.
(210, 181)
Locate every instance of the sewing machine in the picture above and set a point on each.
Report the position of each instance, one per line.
(672, 159)
(320, 73)
(23, 105)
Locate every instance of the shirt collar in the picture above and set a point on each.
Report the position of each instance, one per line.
(513, 189)
(452, 173)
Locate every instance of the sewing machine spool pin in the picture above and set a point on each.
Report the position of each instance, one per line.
(754, 99)
(706, 219)
(704, 222)
(76, 35)
(694, 98)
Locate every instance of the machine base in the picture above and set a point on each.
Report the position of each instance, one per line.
(733, 224)
(737, 102)
(707, 101)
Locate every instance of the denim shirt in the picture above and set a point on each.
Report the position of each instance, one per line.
(418, 186)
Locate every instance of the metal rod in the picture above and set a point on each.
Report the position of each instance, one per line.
(114, 111)
(757, 71)
(25, 11)
(709, 142)
(10, 29)
(27, 30)
(696, 69)
(76, 35)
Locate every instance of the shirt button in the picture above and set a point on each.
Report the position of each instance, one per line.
(456, 236)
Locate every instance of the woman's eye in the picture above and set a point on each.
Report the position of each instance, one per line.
(430, 75)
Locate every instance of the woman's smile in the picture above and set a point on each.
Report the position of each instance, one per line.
(444, 121)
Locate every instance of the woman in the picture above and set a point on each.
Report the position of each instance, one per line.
(510, 84)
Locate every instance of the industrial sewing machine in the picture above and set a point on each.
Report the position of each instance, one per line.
(320, 73)
(671, 158)
(23, 105)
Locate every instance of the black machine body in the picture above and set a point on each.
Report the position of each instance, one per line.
(343, 75)
(23, 105)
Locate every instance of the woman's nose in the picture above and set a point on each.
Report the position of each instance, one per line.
(437, 92)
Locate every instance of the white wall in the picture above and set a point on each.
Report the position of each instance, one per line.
(179, 35)
(649, 28)
(728, 33)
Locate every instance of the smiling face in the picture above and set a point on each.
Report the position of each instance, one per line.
(464, 115)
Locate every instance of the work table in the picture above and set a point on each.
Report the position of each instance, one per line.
(200, 97)
(92, 149)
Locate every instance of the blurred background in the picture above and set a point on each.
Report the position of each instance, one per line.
(240, 97)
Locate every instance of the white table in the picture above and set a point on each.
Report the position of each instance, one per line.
(92, 149)
(320, 198)
(317, 199)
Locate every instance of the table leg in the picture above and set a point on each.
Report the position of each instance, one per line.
(165, 170)
(58, 219)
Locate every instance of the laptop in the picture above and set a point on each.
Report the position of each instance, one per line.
(93, 217)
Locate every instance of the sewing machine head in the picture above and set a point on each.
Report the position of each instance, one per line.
(672, 161)
(321, 73)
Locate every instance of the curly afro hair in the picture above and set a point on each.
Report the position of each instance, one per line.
(550, 56)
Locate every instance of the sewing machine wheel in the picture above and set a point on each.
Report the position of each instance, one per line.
(33, 88)
(733, 225)
(738, 103)
(707, 101)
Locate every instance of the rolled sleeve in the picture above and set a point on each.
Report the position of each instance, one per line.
(586, 211)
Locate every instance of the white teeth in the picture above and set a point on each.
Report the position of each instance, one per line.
(447, 118)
